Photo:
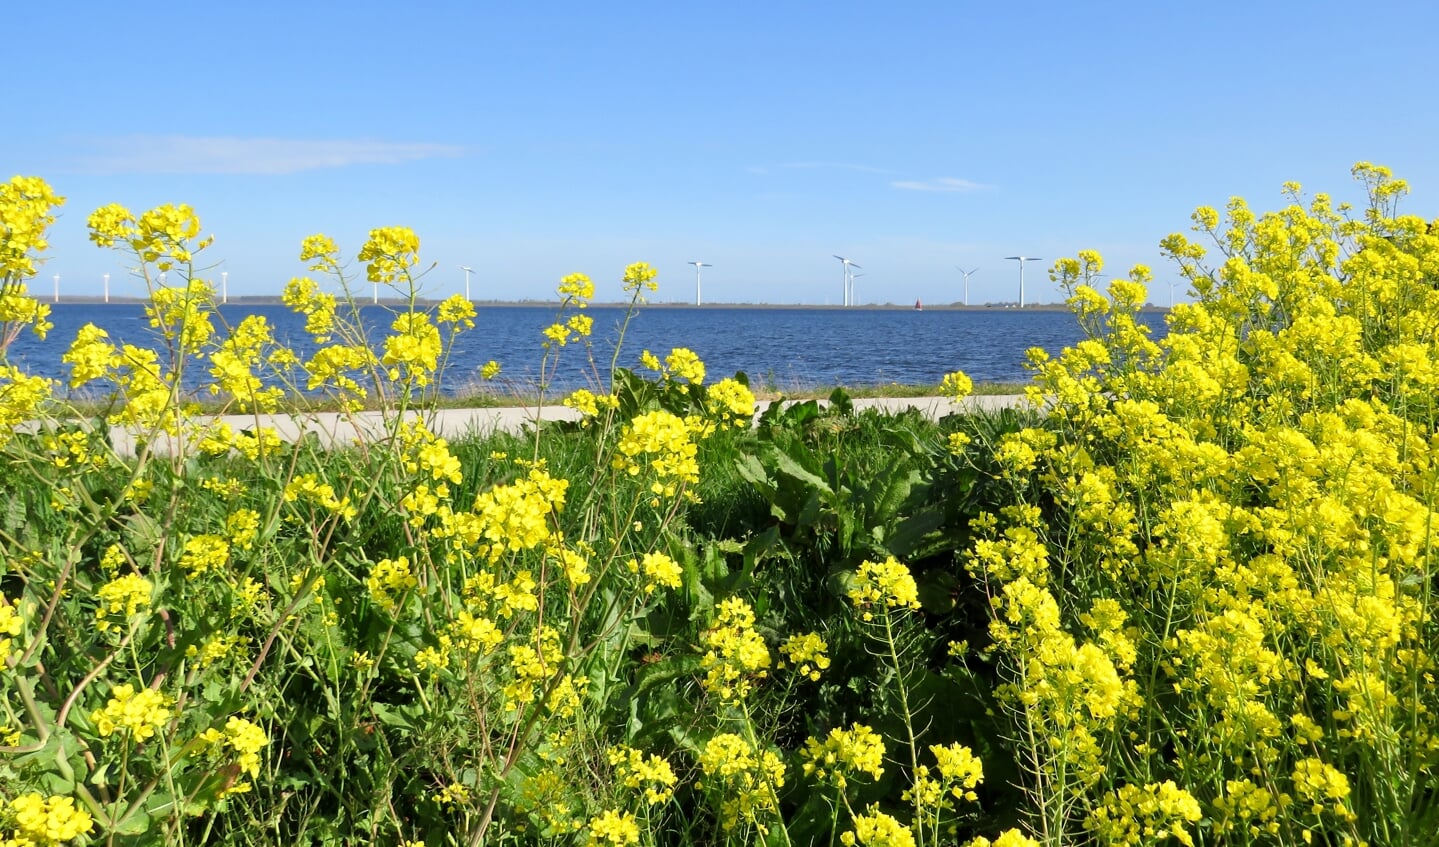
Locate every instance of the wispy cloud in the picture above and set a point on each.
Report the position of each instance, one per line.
(943, 183)
(183, 154)
(836, 166)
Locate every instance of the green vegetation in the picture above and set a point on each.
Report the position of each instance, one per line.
(1186, 599)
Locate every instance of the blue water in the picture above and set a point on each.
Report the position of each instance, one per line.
(789, 348)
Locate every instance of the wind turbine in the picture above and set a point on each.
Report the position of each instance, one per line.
(1022, 260)
(107, 288)
(966, 281)
(698, 265)
(848, 280)
(57, 288)
(468, 270)
(224, 286)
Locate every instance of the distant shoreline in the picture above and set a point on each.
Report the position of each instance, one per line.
(83, 300)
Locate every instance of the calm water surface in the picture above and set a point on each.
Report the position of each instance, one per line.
(785, 347)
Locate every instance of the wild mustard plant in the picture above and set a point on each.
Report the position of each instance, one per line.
(1239, 518)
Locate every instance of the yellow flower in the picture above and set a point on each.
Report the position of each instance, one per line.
(640, 275)
(886, 583)
(807, 654)
(659, 442)
(613, 827)
(745, 781)
(457, 310)
(389, 581)
(956, 385)
(877, 829)
(11, 625)
(684, 364)
(731, 401)
(636, 771)
(658, 569)
(845, 753)
(27, 208)
(124, 595)
(389, 252)
(735, 653)
(577, 287)
(138, 714)
(490, 370)
(41, 821)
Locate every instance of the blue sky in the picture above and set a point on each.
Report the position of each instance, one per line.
(534, 140)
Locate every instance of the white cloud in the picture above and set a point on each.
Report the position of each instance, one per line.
(181, 154)
(943, 183)
(839, 166)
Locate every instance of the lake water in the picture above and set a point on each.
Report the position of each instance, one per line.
(787, 348)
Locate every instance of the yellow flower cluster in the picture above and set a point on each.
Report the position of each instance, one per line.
(123, 596)
(42, 821)
(234, 363)
(242, 741)
(511, 518)
(735, 655)
(182, 313)
(744, 780)
(612, 827)
(413, 352)
(1135, 815)
(659, 443)
(1008, 838)
(651, 775)
(731, 402)
(205, 553)
(956, 385)
(887, 584)
(658, 570)
(807, 653)
(27, 208)
(137, 714)
(311, 491)
(960, 772)
(877, 829)
(390, 252)
(389, 581)
(845, 753)
(640, 275)
(21, 397)
(11, 625)
(587, 403)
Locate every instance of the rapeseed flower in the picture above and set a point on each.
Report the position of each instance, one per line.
(845, 753)
(887, 584)
(658, 569)
(612, 827)
(745, 781)
(123, 596)
(651, 775)
(735, 654)
(807, 654)
(877, 829)
(41, 821)
(139, 715)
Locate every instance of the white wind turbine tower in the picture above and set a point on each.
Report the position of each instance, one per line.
(107, 288)
(224, 286)
(848, 279)
(468, 270)
(1022, 260)
(966, 281)
(698, 265)
(57, 288)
